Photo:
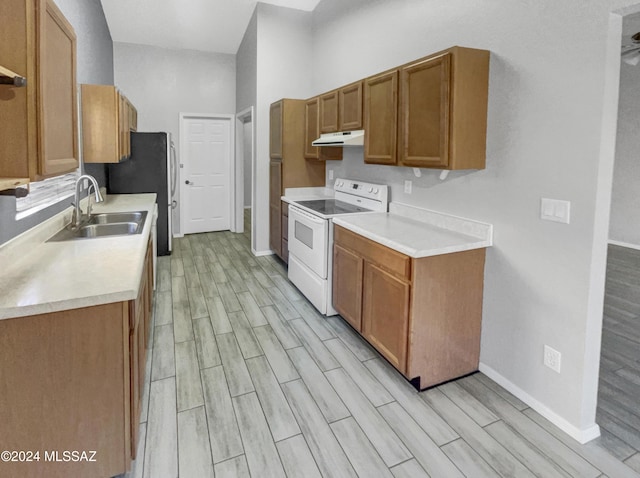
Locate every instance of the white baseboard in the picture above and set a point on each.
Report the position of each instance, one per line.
(262, 253)
(178, 235)
(580, 435)
(625, 244)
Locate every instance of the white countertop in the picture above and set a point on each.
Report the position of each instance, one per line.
(38, 277)
(419, 232)
(306, 194)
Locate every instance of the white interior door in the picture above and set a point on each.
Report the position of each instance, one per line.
(206, 174)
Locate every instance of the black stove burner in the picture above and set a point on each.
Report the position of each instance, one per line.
(331, 207)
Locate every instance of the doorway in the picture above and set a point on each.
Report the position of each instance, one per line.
(617, 413)
(206, 149)
(245, 179)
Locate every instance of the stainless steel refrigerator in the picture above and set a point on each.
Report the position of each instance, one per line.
(150, 169)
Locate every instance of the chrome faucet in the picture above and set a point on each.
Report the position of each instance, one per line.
(76, 220)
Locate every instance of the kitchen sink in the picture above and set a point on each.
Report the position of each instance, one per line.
(118, 217)
(104, 225)
(113, 229)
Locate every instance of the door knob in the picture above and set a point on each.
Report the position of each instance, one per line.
(187, 182)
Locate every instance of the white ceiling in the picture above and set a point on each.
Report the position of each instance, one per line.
(205, 25)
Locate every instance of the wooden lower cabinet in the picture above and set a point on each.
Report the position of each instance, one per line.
(72, 380)
(422, 314)
(285, 232)
(385, 314)
(347, 285)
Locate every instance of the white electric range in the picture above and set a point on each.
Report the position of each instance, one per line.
(311, 235)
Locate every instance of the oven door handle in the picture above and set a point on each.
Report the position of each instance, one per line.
(306, 215)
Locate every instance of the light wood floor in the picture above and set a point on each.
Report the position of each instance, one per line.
(619, 390)
(246, 379)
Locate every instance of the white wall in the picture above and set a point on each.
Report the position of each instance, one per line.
(543, 140)
(246, 159)
(625, 201)
(163, 83)
(284, 68)
(246, 66)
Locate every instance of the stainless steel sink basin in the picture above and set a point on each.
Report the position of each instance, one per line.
(104, 225)
(114, 229)
(118, 217)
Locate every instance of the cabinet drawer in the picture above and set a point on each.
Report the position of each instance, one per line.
(388, 259)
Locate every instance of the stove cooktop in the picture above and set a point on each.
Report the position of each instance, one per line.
(331, 207)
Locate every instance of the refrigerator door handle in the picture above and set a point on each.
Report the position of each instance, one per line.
(174, 170)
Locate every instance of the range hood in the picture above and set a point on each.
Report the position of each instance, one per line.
(342, 138)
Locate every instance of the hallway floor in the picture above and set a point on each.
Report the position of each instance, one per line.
(619, 390)
(246, 379)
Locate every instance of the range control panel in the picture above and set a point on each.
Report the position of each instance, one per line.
(378, 192)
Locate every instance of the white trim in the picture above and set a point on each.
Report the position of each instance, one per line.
(625, 244)
(248, 114)
(178, 235)
(262, 253)
(602, 212)
(232, 187)
(581, 435)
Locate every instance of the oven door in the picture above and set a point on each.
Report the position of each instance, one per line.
(308, 240)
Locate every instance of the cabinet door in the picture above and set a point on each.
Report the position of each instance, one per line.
(380, 118)
(275, 130)
(312, 132)
(347, 285)
(275, 182)
(134, 370)
(275, 230)
(350, 103)
(284, 227)
(312, 128)
(385, 314)
(329, 112)
(100, 124)
(121, 146)
(275, 218)
(57, 94)
(424, 113)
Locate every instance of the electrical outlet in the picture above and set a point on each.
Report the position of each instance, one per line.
(552, 358)
(331, 174)
(407, 187)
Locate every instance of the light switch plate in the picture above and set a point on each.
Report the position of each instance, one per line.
(331, 174)
(555, 210)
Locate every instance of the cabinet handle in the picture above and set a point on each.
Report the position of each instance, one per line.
(18, 81)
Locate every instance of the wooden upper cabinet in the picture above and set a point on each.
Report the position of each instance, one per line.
(311, 128)
(329, 112)
(350, 107)
(425, 89)
(380, 118)
(443, 110)
(312, 132)
(275, 130)
(39, 134)
(107, 121)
